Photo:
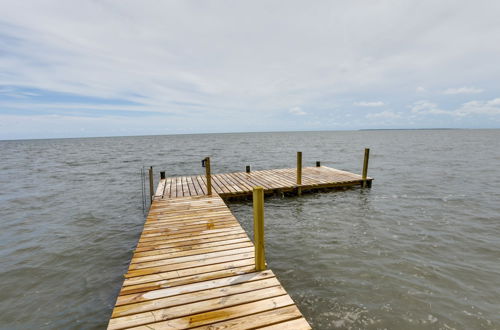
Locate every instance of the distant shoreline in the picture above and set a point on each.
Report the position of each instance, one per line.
(419, 129)
(208, 133)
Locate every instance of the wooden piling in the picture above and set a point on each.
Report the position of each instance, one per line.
(365, 167)
(151, 185)
(248, 169)
(208, 175)
(299, 172)
(318, 163)
(258, 228)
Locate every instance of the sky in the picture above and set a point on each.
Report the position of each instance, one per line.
(113, 68)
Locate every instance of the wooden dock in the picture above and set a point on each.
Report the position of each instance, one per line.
(241, 183)
(194, 265)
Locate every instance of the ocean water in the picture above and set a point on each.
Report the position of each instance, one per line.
(419, 250)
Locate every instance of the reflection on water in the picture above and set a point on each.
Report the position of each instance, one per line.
(420, 250)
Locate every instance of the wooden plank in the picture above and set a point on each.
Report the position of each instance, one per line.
(191, 243)
(215, 186)
(190, 308)
(203, 269)
(176, 188)
(160, 188)
(202, 184)
(168, 188)
(183, 294)
(235, 188)
(259, 180)
(144, 246)
(157, 229)
(277, 315)
(218, 315)
(185, 187)
(242, 238)
(197, 186)
(185, 259)
(189, 232)
(216, 180)
(180, 224)
(252, 180)
(163, 215)
(189, 264)
(244, 185)
(191, 252)
(246, 266)
(298, 324)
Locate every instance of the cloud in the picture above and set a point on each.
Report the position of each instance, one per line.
(384, 115)
(297, 111)
(181, 58)
(369, 104)
(462, 90)
(425, 107)
(472, 108)
(420, 89)
(12, 92)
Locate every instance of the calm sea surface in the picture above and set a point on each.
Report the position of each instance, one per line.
(420, 250)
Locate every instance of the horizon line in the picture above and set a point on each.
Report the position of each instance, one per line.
(247, 132)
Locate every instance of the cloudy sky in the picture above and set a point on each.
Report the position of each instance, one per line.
(102, 68)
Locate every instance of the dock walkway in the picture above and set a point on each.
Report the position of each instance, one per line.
(194, 266)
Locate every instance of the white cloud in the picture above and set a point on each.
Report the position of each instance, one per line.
(426, 107)
(225, 61)
(420, 89)
(384, 115)
(369, 104)
(463, 90)
(297, 111)
(491, 107)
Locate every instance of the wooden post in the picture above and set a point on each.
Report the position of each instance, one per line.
(365, 166)
(299, 172)
(162, 175)
(209, 176)
(258, 228)
(151, 185)
(318, 163)
(248, 169)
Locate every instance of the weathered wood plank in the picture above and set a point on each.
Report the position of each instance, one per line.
(180, 295)
(298, 324)
(219, 315)
(273, 316)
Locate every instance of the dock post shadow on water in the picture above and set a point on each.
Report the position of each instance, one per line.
(193, 252)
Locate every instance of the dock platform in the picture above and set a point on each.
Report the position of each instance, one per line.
(236, 184)
(194, 265)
